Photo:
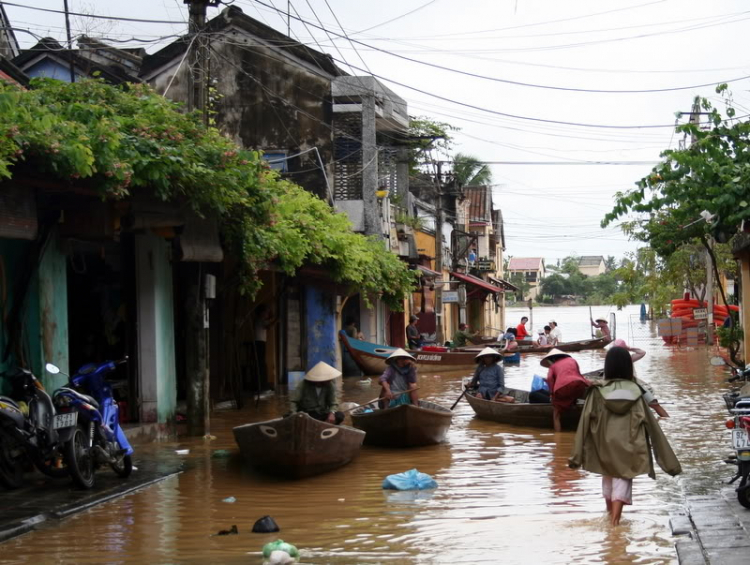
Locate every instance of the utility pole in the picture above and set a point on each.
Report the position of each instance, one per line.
(695, 119)
(70, 42)
(197, 335)
(439, 333)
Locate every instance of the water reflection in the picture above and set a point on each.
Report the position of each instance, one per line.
(505, 493)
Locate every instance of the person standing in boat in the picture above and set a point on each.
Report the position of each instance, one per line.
(616, 434)
(555, 335)
(602, 327)
(399, 376)
(489, 378)
(413, 337)
(566, 383)
(316, 395)
(462, 336)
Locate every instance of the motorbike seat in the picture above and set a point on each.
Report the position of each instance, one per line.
(85, 397)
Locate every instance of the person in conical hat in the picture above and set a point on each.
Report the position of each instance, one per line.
(566, 383)
(489, 377)
(317, 396)
(399, 376)
(602, 327)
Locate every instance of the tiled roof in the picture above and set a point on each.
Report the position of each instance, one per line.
(590, 260)
(525, 264)
(480, 203)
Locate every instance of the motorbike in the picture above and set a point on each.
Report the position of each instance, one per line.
(31, 430)
(738, 406)
(98, 438)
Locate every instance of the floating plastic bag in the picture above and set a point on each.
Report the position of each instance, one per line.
(538, 383)
(280, 545)
(409, 480)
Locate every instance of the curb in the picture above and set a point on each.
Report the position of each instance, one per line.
(29, 524)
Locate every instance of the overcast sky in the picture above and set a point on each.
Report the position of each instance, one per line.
(550, 210)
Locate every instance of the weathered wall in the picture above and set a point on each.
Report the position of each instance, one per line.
(321, 326)
(268, 100)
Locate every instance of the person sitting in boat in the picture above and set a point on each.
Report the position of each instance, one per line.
(566, 383)
(543, 339)
(462, 336)
(555, 335)
(316, 395)
(413, 337)
(489, 378)
(399, 376)
(351, 330)
(521, 332)
(602, 328)
(510, 351)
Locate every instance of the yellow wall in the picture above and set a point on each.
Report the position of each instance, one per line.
(425, 245)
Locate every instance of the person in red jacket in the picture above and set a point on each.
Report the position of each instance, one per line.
(521, 331)
(566, 383)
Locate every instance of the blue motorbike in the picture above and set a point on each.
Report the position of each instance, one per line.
(98, 438)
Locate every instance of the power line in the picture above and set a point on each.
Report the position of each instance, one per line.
(508, 81)
(93, 16)
(410, 12)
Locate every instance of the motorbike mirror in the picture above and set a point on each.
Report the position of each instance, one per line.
(52, 368)
(717, 361)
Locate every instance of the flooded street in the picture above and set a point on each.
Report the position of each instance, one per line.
(505, 493)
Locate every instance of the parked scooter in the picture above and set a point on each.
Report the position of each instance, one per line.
(738, 405)
(98, 438)
(31, 429)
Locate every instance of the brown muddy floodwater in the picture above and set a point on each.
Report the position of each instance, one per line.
(505, 493)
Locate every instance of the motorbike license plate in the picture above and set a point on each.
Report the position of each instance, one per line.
(65, 420)
(740, 439)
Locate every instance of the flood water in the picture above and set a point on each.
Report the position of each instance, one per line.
(505, 493)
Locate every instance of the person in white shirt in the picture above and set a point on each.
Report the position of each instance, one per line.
(542, 340)
(555, 336)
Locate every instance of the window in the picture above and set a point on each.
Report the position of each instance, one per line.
(530, 276)
(277, 160)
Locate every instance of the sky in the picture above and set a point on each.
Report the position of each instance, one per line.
(537, 105)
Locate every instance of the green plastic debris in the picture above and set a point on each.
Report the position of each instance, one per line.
(221, 454)
(280, 545)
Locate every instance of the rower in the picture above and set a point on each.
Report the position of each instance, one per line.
(602, 327)
(316, 396)
(399, 376)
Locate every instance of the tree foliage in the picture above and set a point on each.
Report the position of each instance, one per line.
(116, 139)
(470, 171)
(425, 137)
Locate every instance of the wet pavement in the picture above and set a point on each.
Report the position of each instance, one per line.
(43, 501)
(505, 493)
(713, 530)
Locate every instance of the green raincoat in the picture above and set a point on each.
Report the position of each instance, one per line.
(617, 432)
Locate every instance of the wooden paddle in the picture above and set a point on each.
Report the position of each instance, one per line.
(378, 398)
(466, 388)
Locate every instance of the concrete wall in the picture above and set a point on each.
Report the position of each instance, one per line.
(156, 345)
(321, 326)
(51, 69)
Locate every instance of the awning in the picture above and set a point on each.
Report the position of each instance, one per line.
(428, 272)
(505, 285)
(477, 282)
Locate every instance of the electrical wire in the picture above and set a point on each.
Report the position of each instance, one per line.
(506, 81)
(93, 16)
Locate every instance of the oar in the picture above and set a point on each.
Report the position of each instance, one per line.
(592, 322)
(466, 388)
(378, 398)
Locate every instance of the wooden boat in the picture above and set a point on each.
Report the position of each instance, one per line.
(521, 412)
(568, 346)
(370, 357)
(403, 426)
(297, 446)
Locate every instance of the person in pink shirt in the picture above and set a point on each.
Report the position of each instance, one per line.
(566, 384)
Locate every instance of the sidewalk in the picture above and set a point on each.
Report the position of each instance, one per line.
(716, 531)
(44, 499)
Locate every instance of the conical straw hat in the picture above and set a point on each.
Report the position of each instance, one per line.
(548, 359)
(488, 351)
(322, 372)
(399, 353)
(601, 320)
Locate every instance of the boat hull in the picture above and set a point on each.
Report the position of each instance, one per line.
(370, 357)
(569, 346)
(405, 425)
(521, 412)
(297, 446)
